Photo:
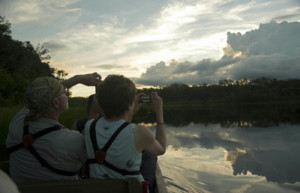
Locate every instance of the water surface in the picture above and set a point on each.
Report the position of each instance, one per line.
(232, 154)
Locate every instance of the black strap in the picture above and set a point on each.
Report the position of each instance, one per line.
(32, 150)
(44, 163)
(105, 148)
(34, 136)
(93, 135)
(113, 137)
(15, 148)
(109, 142)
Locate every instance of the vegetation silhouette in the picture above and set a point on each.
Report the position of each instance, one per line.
(20, 63)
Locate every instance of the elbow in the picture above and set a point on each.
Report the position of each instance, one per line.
(162, 151)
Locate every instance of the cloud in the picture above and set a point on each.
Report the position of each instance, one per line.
(114, 32)
(285, 17)
(36, 10)
(204, 71)
(109, 66)
(270, 38)
(54, 46)
(270, 51)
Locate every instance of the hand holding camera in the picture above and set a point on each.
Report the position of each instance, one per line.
(145, 99)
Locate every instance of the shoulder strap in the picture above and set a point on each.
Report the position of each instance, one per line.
(34, 136)
(93, 135)
(110, 141)
(28, 140)
(44, 163)
(97, 150)
(113, 137)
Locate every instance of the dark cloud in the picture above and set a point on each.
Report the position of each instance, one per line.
(273, 66)
(54, 46)
(109, 66)
(185, 72)
(270, 51)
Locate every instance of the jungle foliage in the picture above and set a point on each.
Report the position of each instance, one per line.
(20, 63)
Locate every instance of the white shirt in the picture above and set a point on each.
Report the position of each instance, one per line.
(62, 149)
(122, 152)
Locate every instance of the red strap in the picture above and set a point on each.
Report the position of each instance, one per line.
(100, 156)
(27, 140)
(144, 186)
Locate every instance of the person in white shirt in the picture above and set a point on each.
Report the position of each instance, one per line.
(59, 153)
(118, 100)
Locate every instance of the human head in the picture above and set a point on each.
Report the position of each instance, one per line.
(39, 96)
(90, 102)
(115, 95)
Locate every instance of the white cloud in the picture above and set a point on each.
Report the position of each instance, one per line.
(93, 33)
(37, 10)
(269, 51)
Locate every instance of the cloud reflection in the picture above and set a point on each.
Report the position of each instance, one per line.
(272, 152)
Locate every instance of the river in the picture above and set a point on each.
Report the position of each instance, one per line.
(233, 156)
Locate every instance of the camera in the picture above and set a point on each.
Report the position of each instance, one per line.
(145, 99)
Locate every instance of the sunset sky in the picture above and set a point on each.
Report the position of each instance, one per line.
(163, 42)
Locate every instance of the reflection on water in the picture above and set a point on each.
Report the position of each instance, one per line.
(209, 158)
(239, 156)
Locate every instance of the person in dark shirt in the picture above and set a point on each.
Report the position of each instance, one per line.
(93, 112)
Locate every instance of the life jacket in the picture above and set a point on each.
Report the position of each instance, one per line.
(27, 143)
(100, 154)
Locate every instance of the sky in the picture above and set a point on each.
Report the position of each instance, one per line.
(161, 42)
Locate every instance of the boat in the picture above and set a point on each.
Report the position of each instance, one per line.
(92, 185)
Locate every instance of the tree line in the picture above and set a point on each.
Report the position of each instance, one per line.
(20, 63)
(260, 90)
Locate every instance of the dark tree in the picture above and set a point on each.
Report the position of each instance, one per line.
(20, 63)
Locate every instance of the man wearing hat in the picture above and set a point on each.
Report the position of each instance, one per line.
(40, 147)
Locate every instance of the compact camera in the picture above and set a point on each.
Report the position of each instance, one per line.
(145, 99)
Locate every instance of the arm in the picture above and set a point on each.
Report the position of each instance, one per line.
(144, 139)
(86, 79)
(160, 134)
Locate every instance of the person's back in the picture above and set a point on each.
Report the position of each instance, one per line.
(118, 101)
(62, 149)
(36, 155)
(121, 153)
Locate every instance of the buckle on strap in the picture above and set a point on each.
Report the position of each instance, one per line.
(100, 156)
(27, 140)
